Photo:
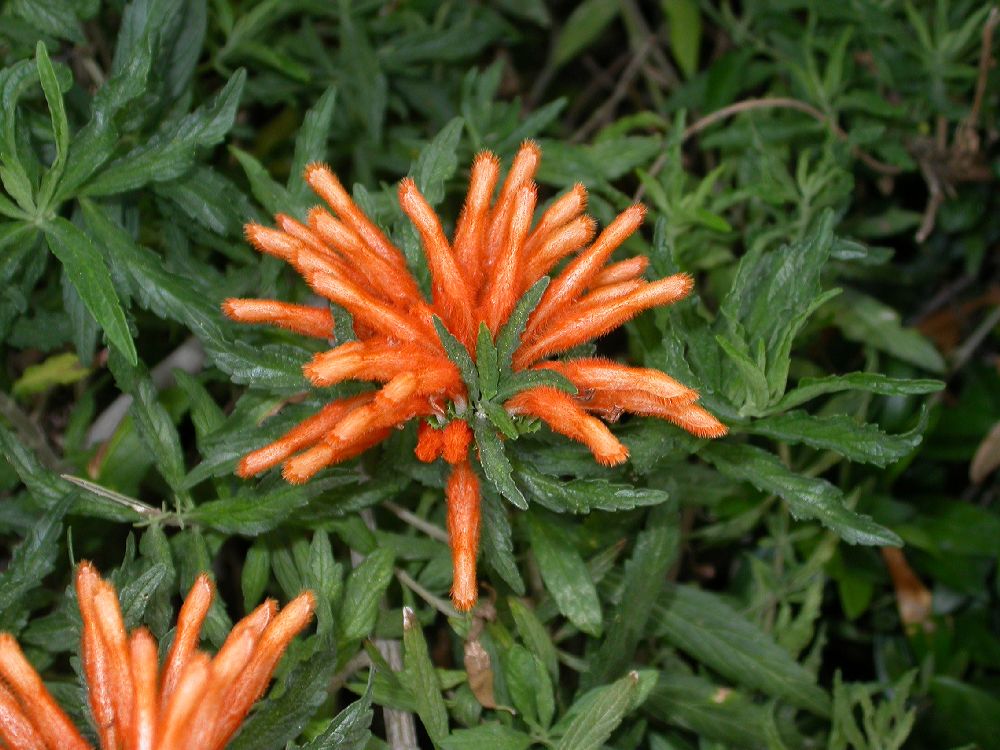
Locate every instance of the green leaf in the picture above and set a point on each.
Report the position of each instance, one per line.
(656, 549)
(255, 575)
(438, 161)
(500, 419)
(711, 711)
(365, 586)
(565, 574)
(856, 441)
(419, 677)
(53, 17)
(584, 495)
(171, 151)
(526, 379)
(867, 321)
(598, 713)
(350, 729)
(872, 382)
(86, 271)
(59, 369)
(273, 196)
(685, 33)
(310, 144)
(701, 625)
(509, 337)
(487, 363)
(277, 720)
(534, 635)
(807, 497)
(528, 684)
(493, 736)
(496, 541)
(60, 125)
(496, 465)
(250, 512)
(29, 564)
(582, 27)
(459, 355)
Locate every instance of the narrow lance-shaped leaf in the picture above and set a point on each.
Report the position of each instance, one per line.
(856, 441)
(60, 124)
(496, 465)
(872, 382)
(459, 357)
(605, 709)
(509, 337)
(807, 497)
(419, 676)
(86, 271)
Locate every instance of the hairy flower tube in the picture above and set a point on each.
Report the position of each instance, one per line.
(195, 702)
(496, 255)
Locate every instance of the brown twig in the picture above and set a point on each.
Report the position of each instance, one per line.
(603, 113)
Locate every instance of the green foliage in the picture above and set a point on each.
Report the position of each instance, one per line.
(705, 594)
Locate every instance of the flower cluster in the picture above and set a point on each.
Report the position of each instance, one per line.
(477, 279)
(195, 703)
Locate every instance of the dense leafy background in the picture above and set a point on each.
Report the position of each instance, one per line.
(722, 595)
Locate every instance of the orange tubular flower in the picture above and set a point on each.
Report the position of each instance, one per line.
(197, 703)
(495, 256)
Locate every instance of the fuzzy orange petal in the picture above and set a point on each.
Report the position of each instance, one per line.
(596, 374)
(504, 286)
(582, 269)
(576, 327)
(186, 636)
(471, 228)
(626, 270)
(309, 321)
(564, 415)
(563, 241)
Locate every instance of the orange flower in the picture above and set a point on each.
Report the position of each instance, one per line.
(476, 280)
(197, 703)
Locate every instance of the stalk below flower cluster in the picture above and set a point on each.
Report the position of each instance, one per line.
(494, 257)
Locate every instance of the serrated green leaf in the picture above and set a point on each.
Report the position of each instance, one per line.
(136, 595)
(656, 549)
(584, 495)
(459, 356)
(89, 275)
(437, 161)
(712, 711)
(487, 363)
(310, 143)
(60, 124)
(855, 441)
(864, 319)
(170, 152)
(509, 337)
(496, 541)
(496, 465)
(565, 574)
(365, 586)
(273, 196)
(350, 729)
(602, 711)
(872, 382)
(528, 684)
(807, 497)
(419, 677)
(250, 512)
(155, 426)
(30, 562)
(534, 635)
(494, 736)
(706, 628)
(500, 419)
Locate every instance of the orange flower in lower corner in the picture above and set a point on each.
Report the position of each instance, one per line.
(197, 702)
(477, 279)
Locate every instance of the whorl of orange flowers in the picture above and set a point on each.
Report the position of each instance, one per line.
(197, 702)
(494, 257)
